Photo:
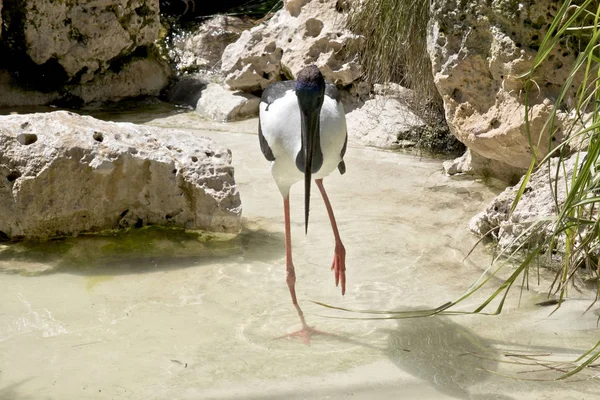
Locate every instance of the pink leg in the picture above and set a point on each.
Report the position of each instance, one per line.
(339, 255)
(289, 265)
(306, 332)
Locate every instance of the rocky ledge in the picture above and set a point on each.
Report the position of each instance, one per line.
(64, 174)
(538, 203)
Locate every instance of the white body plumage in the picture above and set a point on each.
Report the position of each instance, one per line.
(281, 128)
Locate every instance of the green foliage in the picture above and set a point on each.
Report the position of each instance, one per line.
(394, 48)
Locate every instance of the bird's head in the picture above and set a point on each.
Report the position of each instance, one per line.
(310, 91)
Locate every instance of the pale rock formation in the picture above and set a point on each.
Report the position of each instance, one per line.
(537, 202)
(197, 58)
(203, 48)
(84, 36)
(478, 52)
(386, 122)
(223, 105)
(472, 163)
(140, 77)
(64, 174)
(304, 32)
(97, 50)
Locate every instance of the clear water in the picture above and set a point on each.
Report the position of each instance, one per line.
(161, 314)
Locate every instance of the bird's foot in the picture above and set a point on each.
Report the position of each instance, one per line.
(304, 334)
(339, 266)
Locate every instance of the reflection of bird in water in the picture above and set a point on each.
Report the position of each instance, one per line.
(302, 131)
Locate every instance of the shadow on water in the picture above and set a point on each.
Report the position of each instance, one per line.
(137, 110)
(440, 351)
(459, 363)
(137, 251)
(11, 392)
(456, 360)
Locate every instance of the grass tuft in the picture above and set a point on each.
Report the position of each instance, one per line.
(394, 48)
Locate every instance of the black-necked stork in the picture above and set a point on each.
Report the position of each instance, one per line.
(302, 132)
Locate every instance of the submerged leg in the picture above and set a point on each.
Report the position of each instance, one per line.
(339, 255)
(306, 332)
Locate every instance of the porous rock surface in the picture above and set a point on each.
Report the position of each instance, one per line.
(64, 174)
(203, 48)
(83, 36)
(303, 32)
(197, 56)
(140, 77)
(386, 120)
(96, 50)
(478, 51)
(224, 105)
(472, 163)
(537, 201)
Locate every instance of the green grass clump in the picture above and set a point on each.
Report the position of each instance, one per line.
(394, 48)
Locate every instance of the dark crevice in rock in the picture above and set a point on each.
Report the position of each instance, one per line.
(69, 101)
(13, 176)
(98, 136)
(118, 63)
(27, 138)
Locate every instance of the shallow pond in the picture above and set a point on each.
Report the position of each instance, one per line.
(162, 314)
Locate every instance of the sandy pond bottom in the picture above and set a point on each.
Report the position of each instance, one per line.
(158, 314)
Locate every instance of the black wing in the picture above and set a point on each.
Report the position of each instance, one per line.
(277, 90)
(264, 146)
(334, 93)
(342, 164)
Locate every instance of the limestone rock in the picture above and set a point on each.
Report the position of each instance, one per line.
(304, 32)
(384, 122)
(83, 36)
(203, 48)
(478, 51)
(141, 77)
(222, 105)
(390, 120)
(96, 50)
(460, 165)
(472, 163)
(63, 174)
(537, 202)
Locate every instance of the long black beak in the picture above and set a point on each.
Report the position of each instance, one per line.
(310, 132)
